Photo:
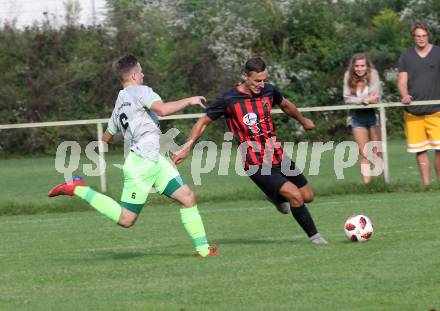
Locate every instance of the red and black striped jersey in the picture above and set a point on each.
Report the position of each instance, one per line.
(248, 118)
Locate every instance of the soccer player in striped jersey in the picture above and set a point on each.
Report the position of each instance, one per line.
(135, 116)
(246, 109)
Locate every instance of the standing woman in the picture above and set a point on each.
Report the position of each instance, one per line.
(362, 87)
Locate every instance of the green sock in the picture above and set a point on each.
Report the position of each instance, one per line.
(194, 226)
(103, 204)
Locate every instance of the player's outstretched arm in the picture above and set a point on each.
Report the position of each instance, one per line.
(168, 108)
(106, 137)
(290, 109)
(196, 132)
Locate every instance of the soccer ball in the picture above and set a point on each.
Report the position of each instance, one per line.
(358, 228)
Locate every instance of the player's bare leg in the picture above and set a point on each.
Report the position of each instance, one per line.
(127, 218)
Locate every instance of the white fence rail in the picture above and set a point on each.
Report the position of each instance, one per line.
(382, 112)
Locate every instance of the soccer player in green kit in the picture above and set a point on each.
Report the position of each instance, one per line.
(135, 117)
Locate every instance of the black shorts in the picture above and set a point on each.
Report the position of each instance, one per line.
(270, 180)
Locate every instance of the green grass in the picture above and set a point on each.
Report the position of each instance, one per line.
(81, 261)
(54, 260)
(24, 183)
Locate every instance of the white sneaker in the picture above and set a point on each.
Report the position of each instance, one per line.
(318, 239)
(282, 207)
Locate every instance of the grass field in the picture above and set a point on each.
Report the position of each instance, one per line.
(25, 182)
(81, 261)
(54, 259)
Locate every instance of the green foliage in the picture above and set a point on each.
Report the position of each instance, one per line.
(424, 10)
(389, 37)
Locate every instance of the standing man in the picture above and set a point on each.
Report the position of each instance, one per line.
(419, 79)
(135, 116)
(246, 109)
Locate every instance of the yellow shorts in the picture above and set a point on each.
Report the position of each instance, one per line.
(422, 132)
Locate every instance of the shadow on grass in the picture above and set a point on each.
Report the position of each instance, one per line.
(250, 241)
(133, 255)
(119, 255)
(296, 240)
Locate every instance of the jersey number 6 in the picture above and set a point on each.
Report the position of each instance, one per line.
(123, 119)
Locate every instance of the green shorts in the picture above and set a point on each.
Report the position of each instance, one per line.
(141, 175)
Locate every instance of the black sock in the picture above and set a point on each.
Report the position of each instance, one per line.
(304, 219)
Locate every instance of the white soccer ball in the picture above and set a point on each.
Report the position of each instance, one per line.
(358, 228)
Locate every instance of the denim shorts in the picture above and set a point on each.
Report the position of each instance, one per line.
(364, 118)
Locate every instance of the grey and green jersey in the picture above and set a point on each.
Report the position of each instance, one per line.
(139, 125)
